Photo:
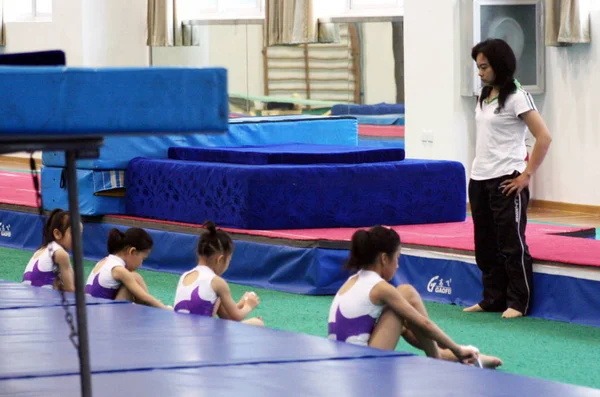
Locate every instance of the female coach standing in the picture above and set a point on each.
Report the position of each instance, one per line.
(498, 188)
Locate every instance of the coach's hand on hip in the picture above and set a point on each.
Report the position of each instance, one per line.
(516, 184)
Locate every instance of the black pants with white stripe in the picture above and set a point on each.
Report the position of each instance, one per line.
(501, 252)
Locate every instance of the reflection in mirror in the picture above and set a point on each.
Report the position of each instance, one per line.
(365, 66)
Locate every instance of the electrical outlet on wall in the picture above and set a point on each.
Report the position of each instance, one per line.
(427, 135)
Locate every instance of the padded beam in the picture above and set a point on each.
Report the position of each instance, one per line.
(80, 103)
(135, 337)
(385, 376)
(20, 296)
(293, 153)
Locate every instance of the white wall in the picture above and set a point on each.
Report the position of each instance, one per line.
(62, 33)
(570, 108)
(439, 121)
(378, 63)
(91, 33)
(114, 33)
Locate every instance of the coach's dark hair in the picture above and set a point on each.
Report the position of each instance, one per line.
(213, 241)
(367, 245)
(134, 237)
(57, 220)
(502, 60)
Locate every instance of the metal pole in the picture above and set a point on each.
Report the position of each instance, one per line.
(82, 330)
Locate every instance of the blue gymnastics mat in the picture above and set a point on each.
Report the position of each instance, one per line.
(368, 110)
(291, 153)
(385, 376)
(136, 337)
(62, 102)
(297, 196)
(119, 150)
(20, 296)
(94, 187)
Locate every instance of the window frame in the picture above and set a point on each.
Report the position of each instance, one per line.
(31, 16)
(345, 11)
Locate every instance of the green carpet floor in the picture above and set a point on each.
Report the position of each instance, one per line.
(531, 347)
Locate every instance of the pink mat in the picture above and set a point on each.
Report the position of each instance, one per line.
(458, 236)
(383, 131)
(17, 189)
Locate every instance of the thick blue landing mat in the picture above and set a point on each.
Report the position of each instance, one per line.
(44, 102)
(19, 296)
(92, 186)
(297, 196)
(389, 376)
(293, 153)
(134, 337)
(117, 151)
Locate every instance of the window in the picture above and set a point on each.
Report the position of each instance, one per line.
(24, 10)
(220, 9)
(376, 7)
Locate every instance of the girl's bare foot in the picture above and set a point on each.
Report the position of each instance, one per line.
(511, 313)
(489, 361)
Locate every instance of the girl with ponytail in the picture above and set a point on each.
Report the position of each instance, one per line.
(50, 265)
(115, 276)
(202, 291)
(369, 311)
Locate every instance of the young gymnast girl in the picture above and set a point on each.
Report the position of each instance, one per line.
(367, 310)
(52, 256)
(202, 291)
(114, 277)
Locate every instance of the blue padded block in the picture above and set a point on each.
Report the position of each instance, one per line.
(135, 337)
(381, 142)
(366, 110)
(118, 151)
(296, 153)
(388, 376)
(19, 296)
(72, 103)
(393, 119)
(89, 184)
(299, 196)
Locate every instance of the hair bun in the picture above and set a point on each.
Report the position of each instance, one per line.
(211, 227)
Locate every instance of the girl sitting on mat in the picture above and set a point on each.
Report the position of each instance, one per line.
(114, 277)
(202, 291)
(369, 311)
(52, 257)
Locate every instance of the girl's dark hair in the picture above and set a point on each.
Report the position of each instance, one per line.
(133, 237)
(366, 245)
(58, 219)
(504, 63)
(213, 241)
